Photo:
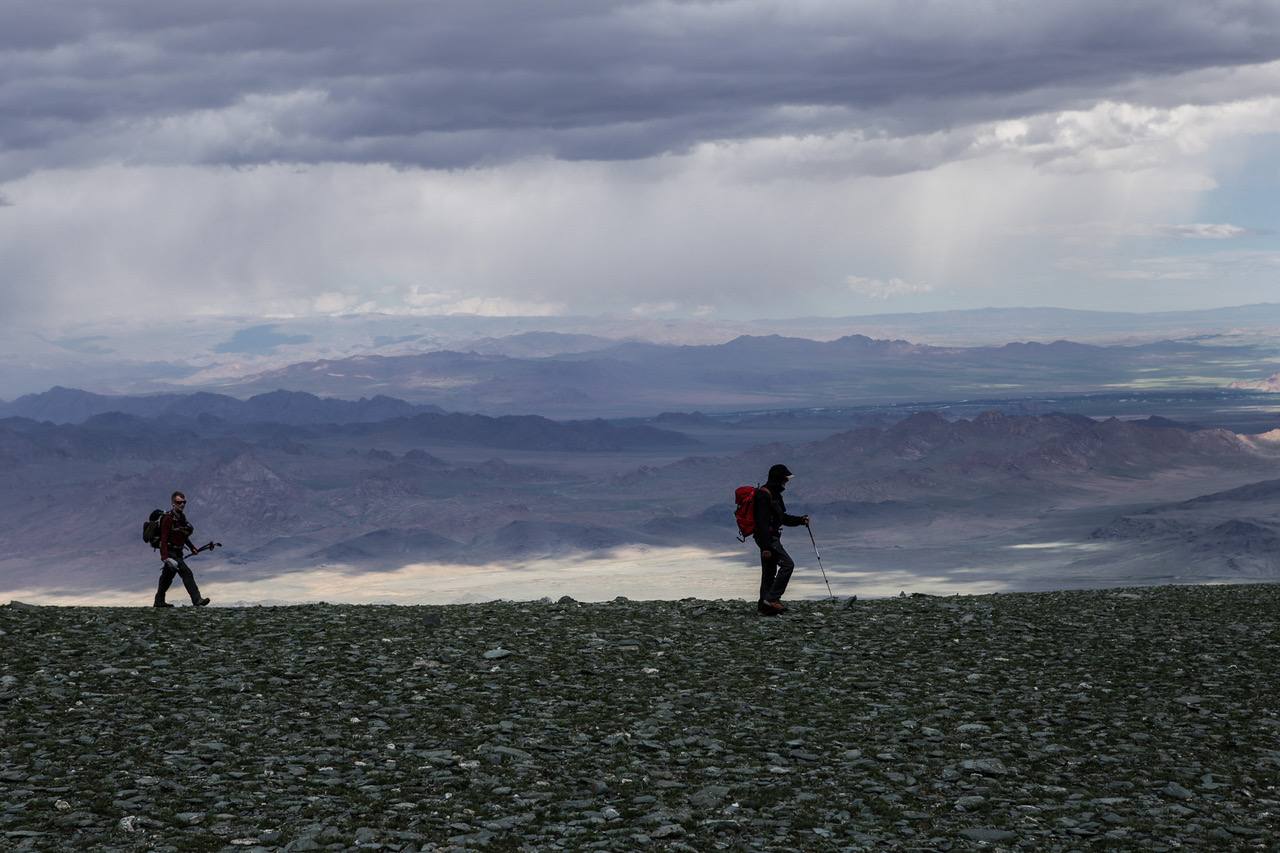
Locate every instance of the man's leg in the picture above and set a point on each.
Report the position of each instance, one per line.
(782, 577)
(768, 569)
(166, 578)
(189, 581)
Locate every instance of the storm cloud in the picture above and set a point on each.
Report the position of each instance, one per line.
(516, 157)
(451, 84)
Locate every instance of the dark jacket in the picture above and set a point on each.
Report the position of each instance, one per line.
(771, 514)
(175, 532)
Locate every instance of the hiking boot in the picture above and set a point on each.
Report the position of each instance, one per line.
(775, 606)
(761, 610)
(201, 603)
(162, 604)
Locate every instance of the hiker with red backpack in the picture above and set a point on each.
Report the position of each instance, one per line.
(770, 515)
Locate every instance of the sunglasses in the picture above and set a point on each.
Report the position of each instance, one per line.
(180, 503)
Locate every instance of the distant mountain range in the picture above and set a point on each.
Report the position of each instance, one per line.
(987, 326)
(70, 406)
(25, 439)
(242, 356)
(643, 379)
(761, 372)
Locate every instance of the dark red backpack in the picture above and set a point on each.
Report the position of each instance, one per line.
(744, 498)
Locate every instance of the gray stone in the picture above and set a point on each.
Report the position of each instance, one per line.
(985, 766)
(988, 834)
(711, 795)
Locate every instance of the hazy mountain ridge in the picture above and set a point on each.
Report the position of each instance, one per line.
(115, 358)
(597, 377)
(118, 434)
(765, 371)
(636, 378)
(66, 405)
(528, 432)
(538, 344)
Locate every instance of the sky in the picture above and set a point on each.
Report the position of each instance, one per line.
(738, 159)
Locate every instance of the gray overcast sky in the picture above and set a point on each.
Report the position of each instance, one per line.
(738, 159)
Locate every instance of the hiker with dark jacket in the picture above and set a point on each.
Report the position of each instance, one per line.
(175, 534)
(776, 564)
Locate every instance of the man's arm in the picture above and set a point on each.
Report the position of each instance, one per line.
(166, 527)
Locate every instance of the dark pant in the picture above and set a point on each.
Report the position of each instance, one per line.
(775, 572)
(188, 580)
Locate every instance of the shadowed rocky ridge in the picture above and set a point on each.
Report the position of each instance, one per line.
(1131, 719)
(1240, 527)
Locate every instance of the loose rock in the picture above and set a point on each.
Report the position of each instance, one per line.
(1048, 721)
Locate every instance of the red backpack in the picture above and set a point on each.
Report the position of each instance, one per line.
(744, 498)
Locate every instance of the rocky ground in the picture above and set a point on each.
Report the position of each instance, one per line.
(1143, 719)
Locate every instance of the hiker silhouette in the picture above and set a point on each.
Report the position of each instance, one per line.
(776, 564)
(175, 534)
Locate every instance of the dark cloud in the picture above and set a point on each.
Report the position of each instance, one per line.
(460, 83)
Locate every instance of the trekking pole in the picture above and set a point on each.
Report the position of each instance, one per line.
(208, 547)
(819, 556)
